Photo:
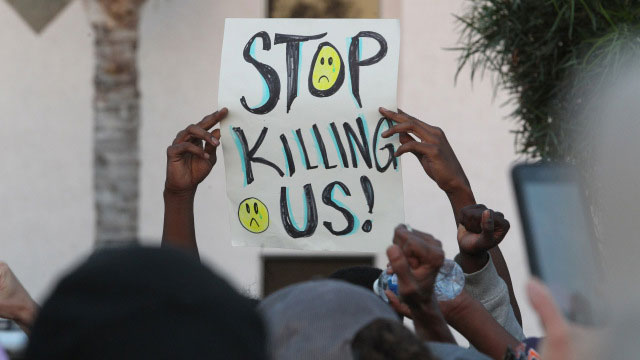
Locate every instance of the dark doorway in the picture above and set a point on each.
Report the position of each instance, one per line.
(280, 271)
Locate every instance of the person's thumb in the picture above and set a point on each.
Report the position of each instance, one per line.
(487, 225)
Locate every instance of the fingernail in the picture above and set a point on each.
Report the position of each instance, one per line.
(215, 141)
(206, 156)
(384, 133)
(383, 108)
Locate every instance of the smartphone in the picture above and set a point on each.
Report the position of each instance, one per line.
(560, 237)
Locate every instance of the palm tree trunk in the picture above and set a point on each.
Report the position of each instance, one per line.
(116, 118)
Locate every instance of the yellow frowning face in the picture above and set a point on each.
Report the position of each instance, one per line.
(253, 215)
(327, 74)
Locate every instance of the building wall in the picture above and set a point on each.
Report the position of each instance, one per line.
(46, 204)
(45, 133)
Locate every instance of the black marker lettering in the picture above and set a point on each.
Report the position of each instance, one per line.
(323, 150)
(304, 150)
(389, 147)
(287, 151)
(269, 75)
(363, 146)
(249, 154)
(355, 62)
(312, 213)
(343, 153)
(328, 200)
(367, 189)
(293, 58)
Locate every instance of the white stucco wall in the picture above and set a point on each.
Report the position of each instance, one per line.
(45, 133)
(46, 205)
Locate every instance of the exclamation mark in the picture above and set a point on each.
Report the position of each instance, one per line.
(367, 188)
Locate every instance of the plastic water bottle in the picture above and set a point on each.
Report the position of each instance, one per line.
(385, 282)
(449, 282)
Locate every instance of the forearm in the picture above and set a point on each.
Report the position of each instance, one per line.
(460, 196)
(179, 228)
(474, 322)
(23, 312)
(430, 324)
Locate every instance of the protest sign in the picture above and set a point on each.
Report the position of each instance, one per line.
(305, 162)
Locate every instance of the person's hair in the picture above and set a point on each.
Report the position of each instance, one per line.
(363, 276)
(146, 303)
(388, 340)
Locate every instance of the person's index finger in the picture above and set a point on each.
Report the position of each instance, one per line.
(425, 124)
(393, 115)
(211, 120)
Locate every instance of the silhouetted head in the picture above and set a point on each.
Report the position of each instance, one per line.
(146, 303)
(363, 276)
(385, 339)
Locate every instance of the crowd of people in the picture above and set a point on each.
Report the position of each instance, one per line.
(136, 302)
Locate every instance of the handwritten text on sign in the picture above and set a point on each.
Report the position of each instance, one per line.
(305, 162)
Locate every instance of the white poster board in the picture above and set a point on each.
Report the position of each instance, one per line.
(305, 162)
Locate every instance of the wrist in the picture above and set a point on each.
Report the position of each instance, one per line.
(471, 263)
(461, 191)
(455, 310)
(430, 323)
(173, 195)
(25, 314)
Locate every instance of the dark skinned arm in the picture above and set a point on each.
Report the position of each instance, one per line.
(416, 257)
(480, 230)
(179, 228)
(433, 151)
(190, 159)
(459, 197)
(474, 322)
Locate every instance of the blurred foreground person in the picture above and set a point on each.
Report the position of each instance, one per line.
(336, 320)
(416, 257)
(566, 341)
(614, 178)
(329, 319)
(145, 303)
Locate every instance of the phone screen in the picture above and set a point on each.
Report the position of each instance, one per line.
(563, 245)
